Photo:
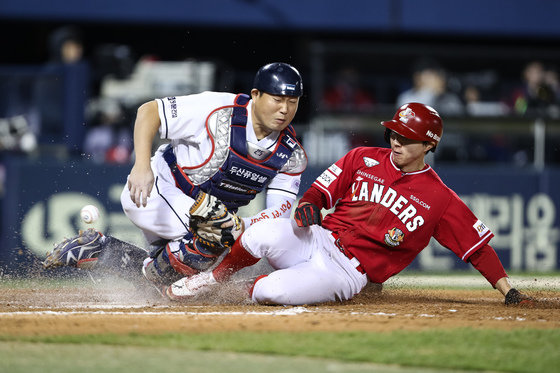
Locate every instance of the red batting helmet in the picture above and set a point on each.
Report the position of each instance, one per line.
(416, 121)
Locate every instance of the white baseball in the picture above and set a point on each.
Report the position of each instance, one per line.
(89, 214)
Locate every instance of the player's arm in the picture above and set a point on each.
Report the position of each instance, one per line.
(325, 191)
(486, 261)
(141, 178)
(309, 207)
(281, 194)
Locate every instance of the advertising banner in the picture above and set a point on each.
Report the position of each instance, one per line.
(43, 199)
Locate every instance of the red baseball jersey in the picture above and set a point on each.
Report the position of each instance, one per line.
(385, 217)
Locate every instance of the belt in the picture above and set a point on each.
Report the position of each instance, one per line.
(348, 254)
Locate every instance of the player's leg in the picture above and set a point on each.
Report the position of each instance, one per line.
(327, 276)
(279, 240)
(91, 249)
(166, 214)
(174, 260)
(121, 258)
(305, 283)
(166, 218)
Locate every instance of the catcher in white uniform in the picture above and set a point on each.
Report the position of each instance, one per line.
(224, 149)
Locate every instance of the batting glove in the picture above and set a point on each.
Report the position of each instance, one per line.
(308, 214)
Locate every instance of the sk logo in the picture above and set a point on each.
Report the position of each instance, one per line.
(406, 115)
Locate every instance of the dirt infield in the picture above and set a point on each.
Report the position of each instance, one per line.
(100, 309)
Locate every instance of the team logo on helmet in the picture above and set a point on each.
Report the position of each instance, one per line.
(370, 162)
(406, 115)
(394, 237)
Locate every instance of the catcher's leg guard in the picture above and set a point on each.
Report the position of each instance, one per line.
(178, 259)
(157, 269)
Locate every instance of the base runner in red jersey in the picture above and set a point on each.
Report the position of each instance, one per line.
(387, 204)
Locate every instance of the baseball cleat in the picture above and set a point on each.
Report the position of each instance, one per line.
(80, 251)
(189, 287)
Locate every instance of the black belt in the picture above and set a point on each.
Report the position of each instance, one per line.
(347, 253)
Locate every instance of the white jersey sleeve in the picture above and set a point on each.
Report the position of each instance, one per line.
(285, 185)
(280, 197)
(184, 117)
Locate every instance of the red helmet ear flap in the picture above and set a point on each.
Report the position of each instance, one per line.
(387, 135)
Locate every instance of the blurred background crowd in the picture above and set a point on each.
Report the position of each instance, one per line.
(70, 85)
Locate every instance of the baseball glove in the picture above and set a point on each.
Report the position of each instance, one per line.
(212, 224)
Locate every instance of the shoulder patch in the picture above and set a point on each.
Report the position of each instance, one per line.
(480, 228)
(326, 178)
(335, 169)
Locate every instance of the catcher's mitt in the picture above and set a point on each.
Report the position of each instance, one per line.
(212, 224)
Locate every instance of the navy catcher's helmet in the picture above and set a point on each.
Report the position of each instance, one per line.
(280, 79)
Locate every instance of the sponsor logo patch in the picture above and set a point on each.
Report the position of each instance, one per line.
(233, 187)
(394, 237)
(370, 162)
(481, 228)
(173, 104)
(241, 173)
(335, 169)
(326, 178)
(258, 153)
(290, 142)
(432, 135)
(290, 87)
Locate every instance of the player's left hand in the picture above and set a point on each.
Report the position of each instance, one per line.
(308, 214)
(514, 297)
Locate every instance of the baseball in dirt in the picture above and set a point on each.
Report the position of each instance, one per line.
(89, 214)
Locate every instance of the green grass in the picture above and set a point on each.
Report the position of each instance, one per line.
(520, 350)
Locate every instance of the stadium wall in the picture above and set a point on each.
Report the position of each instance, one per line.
(43, 199)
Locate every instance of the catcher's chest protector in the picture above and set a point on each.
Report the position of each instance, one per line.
(229, 174)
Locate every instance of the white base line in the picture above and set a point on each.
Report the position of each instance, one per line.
(284, 312)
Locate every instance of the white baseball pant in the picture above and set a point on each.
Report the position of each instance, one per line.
(310, 268)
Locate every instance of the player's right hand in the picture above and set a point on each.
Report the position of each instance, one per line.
(140, 184)
(308, 214)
